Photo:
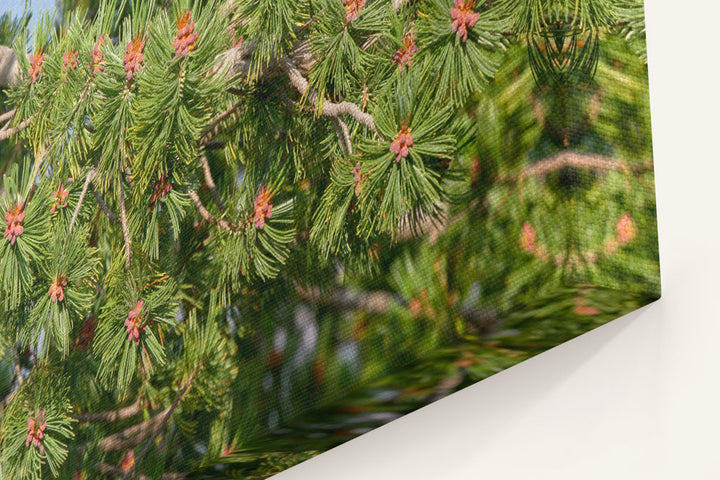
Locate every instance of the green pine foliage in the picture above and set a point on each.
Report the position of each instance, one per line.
(71, 266)
(27, 207)
(217, 215)
(346, 50)
(129, 341)
(36, 428)
(270, 27)
(455, 65)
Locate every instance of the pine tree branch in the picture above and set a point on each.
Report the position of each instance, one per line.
(329, 108)
(18, 376)
(346, 134)
(133, 435)
(224, 224)
(240, 59)
(215, 125)
(112, 415)
(241, 56)
(103, 206)
(108, 469)
(343, 135)
(210, 182)
(18, 369)
(167, 413)
(6, 133)
(86, 185)
(8, 116)
(9, 68)
(125, 229)
(569, 158)
(377, 302)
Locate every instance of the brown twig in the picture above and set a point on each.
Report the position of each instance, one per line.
(112, 415)
(343, 135)
(9, 67)
(86, 185)
(18, 375)
(125, 229)
(377, 302)
(133, 435)
(215, 125)
(209, 217)
(214, 145)
(210, 182)
(165, 418)
(568, 158)
(103, 206)
(8, 116)
(329, 109)
(5, 134)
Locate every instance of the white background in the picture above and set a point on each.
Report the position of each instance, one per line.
(636, 399)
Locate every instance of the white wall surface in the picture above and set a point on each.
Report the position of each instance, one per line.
(638, 398)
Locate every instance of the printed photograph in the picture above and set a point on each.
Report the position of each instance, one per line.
(239, 233)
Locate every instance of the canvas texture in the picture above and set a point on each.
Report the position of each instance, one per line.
(238, 234)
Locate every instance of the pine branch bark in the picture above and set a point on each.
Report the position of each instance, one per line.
(125, 228)
(7, 116)
(210, 182)
(6, 133)
(209, 217)
(329, 109)
(86, 185)
(9, 67)
(584, 161)
(135, 434)
(165, 418)
(112, 415)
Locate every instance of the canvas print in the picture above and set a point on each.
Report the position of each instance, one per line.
(238, 233)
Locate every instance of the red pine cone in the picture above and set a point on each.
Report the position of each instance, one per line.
(87, 333)
(56, 292)
(186, 38)
(263, 207)
(353, 9)
(162, 187)
(36, 62)
(14, 220)
(463, 17)
(403, 141)
(133, 322)
(36, 426)
(133, 57)
(626, 230)
(60, 195)
(98, 61)
(403, 56)
(128, 461)
(70, 60)
(527, 238)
